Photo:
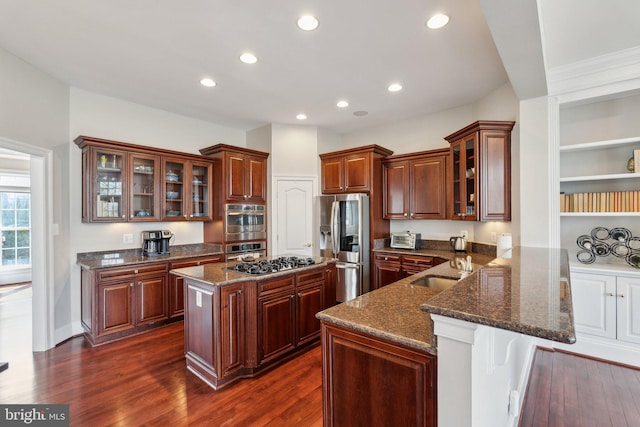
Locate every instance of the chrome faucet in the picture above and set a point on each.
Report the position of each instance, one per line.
(465, 267)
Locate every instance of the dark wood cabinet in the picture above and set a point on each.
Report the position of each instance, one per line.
(276, 317)
(415, 185)
(232, 329)
(242, 173)
(127, 182)
(481, 171)
(368, 381)
(390, 267)
(330, 286)
(176, 283)
(351, 171)
(122, 301)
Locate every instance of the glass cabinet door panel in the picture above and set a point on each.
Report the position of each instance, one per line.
(457, 189)
(200, 191)
(174, 190)
(144, 201)
(109, 185)
(469, 173)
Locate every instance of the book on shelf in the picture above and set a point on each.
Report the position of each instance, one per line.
(592, 202)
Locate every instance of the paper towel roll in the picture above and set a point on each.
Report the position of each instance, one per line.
(504, 245)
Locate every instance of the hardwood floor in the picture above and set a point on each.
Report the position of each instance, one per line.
(144, 381)
(569, 390)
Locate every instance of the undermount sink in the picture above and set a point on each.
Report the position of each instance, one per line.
(435, 282)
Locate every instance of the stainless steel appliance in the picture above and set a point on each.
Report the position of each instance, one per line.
(235, 251)
(343, 222)
(405, 240)
(275, 265)
(458, 244)
(156, 242)
(243, 222)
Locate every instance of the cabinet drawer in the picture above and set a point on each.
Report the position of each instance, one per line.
(387, 257)
(126, 272)
(193, 262)
(422, 261)
(310, 276)
(275, 285)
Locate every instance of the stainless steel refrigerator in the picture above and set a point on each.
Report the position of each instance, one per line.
(343, 227)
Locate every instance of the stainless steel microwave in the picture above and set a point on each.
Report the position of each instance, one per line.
(244, 222)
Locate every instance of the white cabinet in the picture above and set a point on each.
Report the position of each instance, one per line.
(607, 306)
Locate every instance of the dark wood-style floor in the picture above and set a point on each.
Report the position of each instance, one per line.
(143, 381)
(569, 390)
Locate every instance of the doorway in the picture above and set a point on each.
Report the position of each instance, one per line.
(293, 216)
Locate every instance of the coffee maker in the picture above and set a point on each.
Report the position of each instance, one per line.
(156, 242)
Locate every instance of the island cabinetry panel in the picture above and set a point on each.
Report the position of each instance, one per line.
(415, 185)
(386, 384)
(126, 182)
(176, 283)
(276, 317)
(117, 302)
(481, 168)
(244, 173)
(391, 267)
(351, 171)
(232, 329)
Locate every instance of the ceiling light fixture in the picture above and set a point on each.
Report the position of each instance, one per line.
(248, 58)
(394, 87)
(438, 20)
(301, 116)
(342, 104)
(308, 22)
(207, 82)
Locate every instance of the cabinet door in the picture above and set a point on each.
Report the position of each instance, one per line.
(428, 188)
(144, 175)
(256, 180)
(115, 307)
(594, 304)
(628, 304)
(276, 325)
(330, 286)
(310, 301)
(332, 175)
(386, 270)
(232, 326)
(395, 181)
(106, 171)
(152, 295)
(236, 176)
(176, 283)
(495, 178)
(356, 172)
(200, 193)
(415, 264)
(175, 189)
(463, 160)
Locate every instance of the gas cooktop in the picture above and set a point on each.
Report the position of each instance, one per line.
(272, 266)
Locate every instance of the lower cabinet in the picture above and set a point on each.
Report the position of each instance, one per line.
(390, 267)
(176, 283)
(387, 384)
(604, 305)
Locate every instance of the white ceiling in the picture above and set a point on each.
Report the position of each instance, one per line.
(154, 52)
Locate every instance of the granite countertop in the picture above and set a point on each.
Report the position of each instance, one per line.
(393, 312)
(528, 293)
(93, 260)
(220, 274)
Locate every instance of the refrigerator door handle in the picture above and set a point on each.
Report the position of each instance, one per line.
(335, 227)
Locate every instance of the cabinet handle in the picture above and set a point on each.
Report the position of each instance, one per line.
(239, 291)
(405, 214)
(131, 284)
(135, 271)
(386, 259)
(124, 216)
(621, 295)
(609, 294)
(411, 214)
(292, 297)
(299, 295)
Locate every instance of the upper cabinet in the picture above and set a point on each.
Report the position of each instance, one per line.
(481, 168)
(415, 185)
(126, 182)
(244, 173)
(350, 171)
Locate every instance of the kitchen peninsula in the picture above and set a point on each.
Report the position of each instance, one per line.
(238, 324)
(475, 340)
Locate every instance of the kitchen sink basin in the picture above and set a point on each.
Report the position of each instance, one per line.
(435, 282)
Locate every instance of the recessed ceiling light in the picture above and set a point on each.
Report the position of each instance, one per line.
(308, 22)
(301, 116)
(248, 58)
(207, 82)
(342, 104)
(438, 20)
(394, 87)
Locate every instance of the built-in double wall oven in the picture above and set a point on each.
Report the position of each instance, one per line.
(245, 228)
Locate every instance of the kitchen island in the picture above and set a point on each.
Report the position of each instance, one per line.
(237, 325)
(474, 340)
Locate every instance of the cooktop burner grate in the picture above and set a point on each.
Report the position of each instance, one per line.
(273, 265)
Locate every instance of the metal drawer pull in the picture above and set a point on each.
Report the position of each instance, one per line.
(621, 295)
(610, 294)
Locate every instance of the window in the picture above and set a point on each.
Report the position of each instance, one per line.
(16, 228)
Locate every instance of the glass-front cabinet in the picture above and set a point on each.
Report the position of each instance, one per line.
(464, 178)
(200, 191)
(186, 190)
(107, 202)
(144, 199)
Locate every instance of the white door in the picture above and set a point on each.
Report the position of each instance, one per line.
(628, 298)
(594, 304)
(294, 216)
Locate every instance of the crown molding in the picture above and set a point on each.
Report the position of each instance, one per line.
(602, 70)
